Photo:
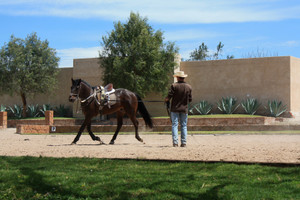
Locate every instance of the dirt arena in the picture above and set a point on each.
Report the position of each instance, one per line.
(228, 148)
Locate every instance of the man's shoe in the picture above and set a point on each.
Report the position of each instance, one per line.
(183, 145)
(175, 145)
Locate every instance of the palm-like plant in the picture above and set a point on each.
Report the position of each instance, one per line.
(250, 105)
(276, 108)
(227, 105)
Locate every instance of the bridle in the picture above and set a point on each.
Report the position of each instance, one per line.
(94, 94)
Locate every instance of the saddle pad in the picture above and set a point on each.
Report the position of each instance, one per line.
(112, 99)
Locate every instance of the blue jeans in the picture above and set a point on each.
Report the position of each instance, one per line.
(182, 118)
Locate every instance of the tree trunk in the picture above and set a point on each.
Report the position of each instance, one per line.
(24, 104)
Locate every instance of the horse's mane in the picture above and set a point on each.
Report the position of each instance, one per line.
(86, 83)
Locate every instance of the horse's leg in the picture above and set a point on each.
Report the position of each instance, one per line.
(88, 126)
(120, 115)
(131, 112)
(135, 122)
(80, 131)
(136, 126)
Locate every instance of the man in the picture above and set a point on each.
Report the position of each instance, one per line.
(181, 95)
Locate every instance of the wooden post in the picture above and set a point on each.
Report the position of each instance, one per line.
(49, 117)
(3, 119)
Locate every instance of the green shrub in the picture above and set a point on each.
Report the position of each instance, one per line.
(227, 105)
(33, 111)
(202, 108)
(16, 111)
(276, 108)
(250, 105)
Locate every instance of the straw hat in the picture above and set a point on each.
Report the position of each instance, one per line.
(180, 74)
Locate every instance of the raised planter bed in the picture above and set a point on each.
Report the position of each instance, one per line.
(160, 125)
(3, 120)
(15, 123)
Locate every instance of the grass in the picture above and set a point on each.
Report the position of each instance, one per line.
(84, 178)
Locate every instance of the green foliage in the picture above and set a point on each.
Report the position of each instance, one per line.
(136, 52)
(250, 105)
(219, 51)
(61, 111)
(33, 111)
(202, 53)
(27, 66)
(2, 108)
(91, 178)
(276, 108)
(202, 108)
(16, 111)
(227, 105)
(44, 108)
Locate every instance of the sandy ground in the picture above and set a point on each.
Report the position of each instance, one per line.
(227, 148)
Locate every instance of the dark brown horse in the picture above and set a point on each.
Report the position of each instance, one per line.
(126, 102)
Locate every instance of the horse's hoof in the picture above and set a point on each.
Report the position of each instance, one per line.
(112, 142)
(101, 142)
(73, 143)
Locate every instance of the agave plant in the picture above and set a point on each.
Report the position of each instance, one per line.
(202, 108)
(16, 111)
(44, 108)
(250, 105)
(276, 108)
(227, 105)
(61, 110)
(2, 108)
(33, 110)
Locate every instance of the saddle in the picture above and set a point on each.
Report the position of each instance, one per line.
(106, 95)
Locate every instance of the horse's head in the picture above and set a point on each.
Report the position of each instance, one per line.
(74, 90)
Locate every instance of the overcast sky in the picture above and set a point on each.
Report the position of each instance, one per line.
(75, 27)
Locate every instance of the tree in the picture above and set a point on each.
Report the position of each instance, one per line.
(134, 57)
(27, 67)
(219, 51)
(202, 53)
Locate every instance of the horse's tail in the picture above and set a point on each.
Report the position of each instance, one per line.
(144, 112)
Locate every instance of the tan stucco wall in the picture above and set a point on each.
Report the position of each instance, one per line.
(58, 96)
(89, 70)
(261, 78)
(295, 86)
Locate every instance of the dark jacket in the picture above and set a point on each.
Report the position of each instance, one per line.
(181, 95)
